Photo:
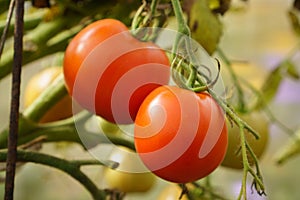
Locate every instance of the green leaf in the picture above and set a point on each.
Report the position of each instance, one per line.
(274, 79)
(272, 83)
(292, 70)
(205, 26)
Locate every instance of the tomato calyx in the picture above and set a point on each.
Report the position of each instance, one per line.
(188, 75)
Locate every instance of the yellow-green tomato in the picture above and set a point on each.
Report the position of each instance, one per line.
(171, 192)
(251, 72)
(130, 176)
(37, 84)
(108, 127)
(259, 122)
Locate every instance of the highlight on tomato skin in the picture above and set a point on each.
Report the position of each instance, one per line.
(181, 136)
(107, 70)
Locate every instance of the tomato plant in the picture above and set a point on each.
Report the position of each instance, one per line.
(123, 178)
(181, 136)
(37, 84)
(108, 127)
(258, 121)
(107, 70)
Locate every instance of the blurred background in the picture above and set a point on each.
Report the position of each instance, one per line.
(259, 33)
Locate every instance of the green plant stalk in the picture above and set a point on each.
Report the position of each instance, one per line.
(30, 21)
(243, 191)
(289, 150)
(259, 186)
(64, 130)
(56, 46)
(258, 180)
(184, 29)
(241, 101)
(5, 30)
(48, 98)
(263, 105)
(147, 18)
(38, 108)
(153, 7)
(46, 30)
(72, 168)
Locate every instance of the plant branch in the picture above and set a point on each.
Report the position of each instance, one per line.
(15, 102)
(72, 168)
(263, 105)
(7, 25)
(48, 98)
(183, 28)
(241, 102)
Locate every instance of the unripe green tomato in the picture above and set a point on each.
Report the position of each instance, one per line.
(124, 178)
(259, 122)
(108, 127)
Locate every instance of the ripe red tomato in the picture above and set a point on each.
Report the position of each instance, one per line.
(109, 72)
(181, 136)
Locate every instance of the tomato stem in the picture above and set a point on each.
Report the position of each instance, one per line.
(194, 76)
(184, 36)
(264, 106)
(48, 98)
(71, 168)
(241, 101)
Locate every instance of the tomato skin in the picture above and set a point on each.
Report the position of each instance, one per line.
(109, 72)
(181, 136)
(37, 84)
(259, 122)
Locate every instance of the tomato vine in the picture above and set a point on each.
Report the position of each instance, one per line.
(49, 32)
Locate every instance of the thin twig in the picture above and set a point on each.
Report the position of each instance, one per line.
(71, 168)
(15, 97)
(7, 24)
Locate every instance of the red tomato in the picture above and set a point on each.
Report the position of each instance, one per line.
(181, 136)
(109, 72)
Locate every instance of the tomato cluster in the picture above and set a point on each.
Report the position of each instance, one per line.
(180, 135)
